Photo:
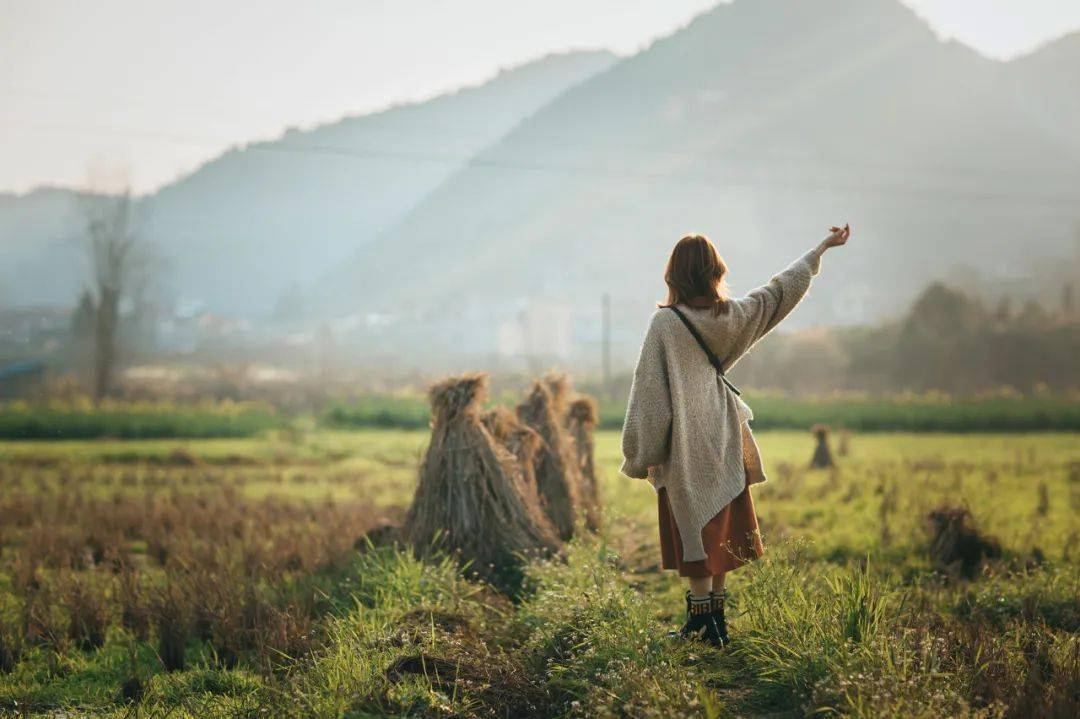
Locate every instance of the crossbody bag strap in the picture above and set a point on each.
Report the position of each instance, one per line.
(713, 359)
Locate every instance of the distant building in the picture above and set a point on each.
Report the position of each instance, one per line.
(34, 326)
(543, 329)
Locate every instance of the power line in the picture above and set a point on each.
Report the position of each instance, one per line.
(287, 144)
(681, 178)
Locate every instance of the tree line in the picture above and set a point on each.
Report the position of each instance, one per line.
(948, 341)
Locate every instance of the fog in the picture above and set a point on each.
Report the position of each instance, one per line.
(468, 217)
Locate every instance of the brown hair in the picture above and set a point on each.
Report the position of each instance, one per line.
(696, 270)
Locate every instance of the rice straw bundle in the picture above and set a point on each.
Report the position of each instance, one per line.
(581, 420)
(558, 385)
(555, 464)
(822, 458)
(956, 542)
(472, 497)
(523, 442)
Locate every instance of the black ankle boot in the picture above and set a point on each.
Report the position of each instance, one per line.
(717, 600)
(700, 623)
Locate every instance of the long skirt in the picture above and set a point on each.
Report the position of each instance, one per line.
(731, 538)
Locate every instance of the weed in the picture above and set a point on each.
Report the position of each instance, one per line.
(88, 611)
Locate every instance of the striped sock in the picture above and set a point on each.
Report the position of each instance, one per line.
(700, 605)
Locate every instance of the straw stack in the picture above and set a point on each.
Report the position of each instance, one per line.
(555, 464)
(581, 419)
(473, 497)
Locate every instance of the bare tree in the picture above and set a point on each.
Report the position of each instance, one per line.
(111, 244)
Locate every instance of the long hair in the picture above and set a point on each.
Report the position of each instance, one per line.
(696, 270)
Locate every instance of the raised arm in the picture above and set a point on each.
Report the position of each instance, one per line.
(764, 308)
(647, 428)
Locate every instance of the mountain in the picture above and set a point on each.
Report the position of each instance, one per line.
(1046, 83)
(760, 123)
(267, 217)
(42, 256)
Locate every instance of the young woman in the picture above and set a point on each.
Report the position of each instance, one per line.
(687, 429)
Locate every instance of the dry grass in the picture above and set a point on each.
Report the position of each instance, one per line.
(208, 566)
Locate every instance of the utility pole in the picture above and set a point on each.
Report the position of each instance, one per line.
(605, 342)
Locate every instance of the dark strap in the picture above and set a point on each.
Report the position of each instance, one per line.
(713, 359)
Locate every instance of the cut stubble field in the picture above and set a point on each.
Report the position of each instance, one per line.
(229, 577)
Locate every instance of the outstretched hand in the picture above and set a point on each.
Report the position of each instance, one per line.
(838, 237)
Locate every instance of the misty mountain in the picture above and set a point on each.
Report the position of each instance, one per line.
(1046, 83)
(42, 260)
(759, 124)
(262, 219)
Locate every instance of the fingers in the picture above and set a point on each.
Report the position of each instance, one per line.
(841, 233)
(838, 235)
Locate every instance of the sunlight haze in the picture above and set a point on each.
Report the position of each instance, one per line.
(150, 91)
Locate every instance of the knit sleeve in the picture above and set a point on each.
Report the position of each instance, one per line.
(765, 307)
(647, 429)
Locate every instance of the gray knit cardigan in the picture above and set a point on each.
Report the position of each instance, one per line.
(685, 430)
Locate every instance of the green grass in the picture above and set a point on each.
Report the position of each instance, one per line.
(126, 420)
(845, 615)
(919, 414)
(379, 411)
(161, 420)
(929, 413)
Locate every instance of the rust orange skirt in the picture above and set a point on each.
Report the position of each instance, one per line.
(731, 538)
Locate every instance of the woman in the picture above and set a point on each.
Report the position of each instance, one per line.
(686, 428)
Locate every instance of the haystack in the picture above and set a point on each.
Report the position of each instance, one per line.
(520, 440)
(822, 458)
(956, 542)
(555, 464)
(472, 497)
(581, 419)
(558, 385)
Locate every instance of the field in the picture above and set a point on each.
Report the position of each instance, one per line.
(80, 419)
(117, 419)
(933, 412)
(229, 577)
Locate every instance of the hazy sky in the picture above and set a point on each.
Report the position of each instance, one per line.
(152, 88)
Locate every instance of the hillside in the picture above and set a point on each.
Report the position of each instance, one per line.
(42, 258)
(759, 123)
(262, 218)
(1046, 83)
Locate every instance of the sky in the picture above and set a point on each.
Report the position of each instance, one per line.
(136, 92)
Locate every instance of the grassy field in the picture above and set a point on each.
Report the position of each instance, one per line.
(80, 419)
(1007, 412)
(221, 577)
(118, 419)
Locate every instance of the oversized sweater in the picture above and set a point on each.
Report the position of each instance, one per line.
(685, 430)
